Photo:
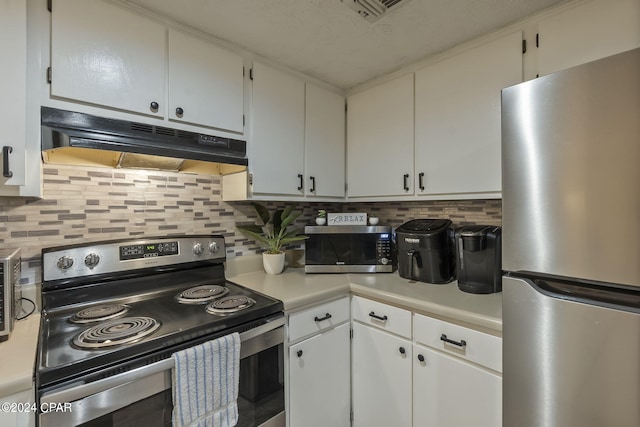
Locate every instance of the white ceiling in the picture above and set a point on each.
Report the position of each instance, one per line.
(327, 40)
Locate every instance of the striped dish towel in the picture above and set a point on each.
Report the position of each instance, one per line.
(205, 384)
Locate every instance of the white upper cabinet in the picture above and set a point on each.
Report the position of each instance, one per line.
(589, 31)
(205, 83)
(105, 55)
(457, 124)
(324, 143)
(277, 132)
(380, 140)
(13, 86)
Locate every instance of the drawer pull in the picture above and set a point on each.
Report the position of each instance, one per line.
(461, 343)
(320, 319)
(402, 350)
(421, 358)
(375, 316)
(299, 353)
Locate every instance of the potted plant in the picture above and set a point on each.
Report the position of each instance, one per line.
(373, 218)
(321, 218)
(273, 234)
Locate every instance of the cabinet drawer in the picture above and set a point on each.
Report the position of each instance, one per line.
(317, 318)
(392, 319)
(474, 346)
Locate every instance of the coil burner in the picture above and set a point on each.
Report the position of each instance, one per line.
(201, 294)
(229, 304)
(98, 313)
(116, 332)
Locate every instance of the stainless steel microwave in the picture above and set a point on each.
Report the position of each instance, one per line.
(349, 249)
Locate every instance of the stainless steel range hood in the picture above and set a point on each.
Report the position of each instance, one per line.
(82, 139)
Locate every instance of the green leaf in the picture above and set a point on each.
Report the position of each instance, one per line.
(286, 240)
(289, 219)
(251, 227)
(258, 237)
(262, 211)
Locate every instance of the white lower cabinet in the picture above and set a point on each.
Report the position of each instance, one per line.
(319, 384)
(449, 392)
(381, 372)
(421, 371)
(20, 411)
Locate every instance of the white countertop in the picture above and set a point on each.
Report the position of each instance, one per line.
(18, 355)
(297, 289)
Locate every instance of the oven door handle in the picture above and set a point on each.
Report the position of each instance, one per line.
(139, 383)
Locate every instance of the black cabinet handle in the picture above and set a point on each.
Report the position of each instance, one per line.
(320, 319)
(402, 350)
(313, 184)
(375, 316)
(421, 180)
(154, 106)
(405, 181)
(179, 112)
(461, 343)
(421, 358)
(299, 353)
(6, 172)
(301, 178)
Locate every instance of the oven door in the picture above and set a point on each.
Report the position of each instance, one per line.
(142, 397)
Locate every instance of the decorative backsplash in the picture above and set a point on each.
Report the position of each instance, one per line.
(84, 204)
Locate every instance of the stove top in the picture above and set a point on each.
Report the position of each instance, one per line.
(99, 325)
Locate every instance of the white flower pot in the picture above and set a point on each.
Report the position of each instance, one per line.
(273, 263)
(373, 220)
(321, 221)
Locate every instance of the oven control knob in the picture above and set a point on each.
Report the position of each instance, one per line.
(384, 261)
(91, 260)
(198, 249)
(213, 247)
(65, 262)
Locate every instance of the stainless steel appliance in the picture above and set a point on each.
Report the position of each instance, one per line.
(426, 250)
(349, 249)
(479, 258)
(10, 294)
(571, 240)
(113, 314)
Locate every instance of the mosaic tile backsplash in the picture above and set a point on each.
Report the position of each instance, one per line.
(84, 204)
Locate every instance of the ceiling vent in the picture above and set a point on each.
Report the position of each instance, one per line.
(372, 10)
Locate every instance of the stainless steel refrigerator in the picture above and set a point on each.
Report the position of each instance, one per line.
(571, 247)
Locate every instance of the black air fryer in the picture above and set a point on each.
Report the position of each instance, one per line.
(479, 264)
(426, 250)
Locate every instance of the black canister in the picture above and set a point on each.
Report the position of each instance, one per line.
(426, 250)
(479, 264)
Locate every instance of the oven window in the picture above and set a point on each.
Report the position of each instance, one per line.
(349, 249)
(154, 411)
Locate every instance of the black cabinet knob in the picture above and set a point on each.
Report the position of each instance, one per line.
(299, 353)
(154, 106)
(402, 350)
(421, 358)
(179, 112)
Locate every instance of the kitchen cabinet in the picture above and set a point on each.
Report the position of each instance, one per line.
(324, 139)
(411, 369)
(106, 55)
(455, 368)
(591, 30)
(380, 140)
(20, 413)
(319, 365)
(381, 364)
(457, 119)
(206, 83)
(13, 87)
(277, 132)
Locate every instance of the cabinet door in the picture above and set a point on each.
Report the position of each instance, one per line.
(13, 87)
(448, 392)
(381, 378)
(205, 83)
(319, 380)
(106, 55)
(324, 142)
(277, 134)
(380, 140)
(589, 31)
(458, 141)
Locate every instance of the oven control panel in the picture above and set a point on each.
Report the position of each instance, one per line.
(123, 255)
